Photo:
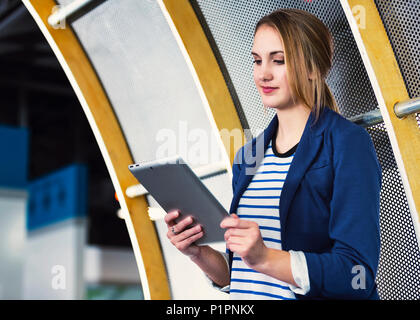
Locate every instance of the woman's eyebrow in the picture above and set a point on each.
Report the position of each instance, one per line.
(271, 53)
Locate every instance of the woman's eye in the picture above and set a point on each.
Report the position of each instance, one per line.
(276, 61)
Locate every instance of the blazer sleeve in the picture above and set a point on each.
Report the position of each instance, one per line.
(348, 269)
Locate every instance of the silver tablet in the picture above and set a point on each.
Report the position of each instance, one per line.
(174, 185)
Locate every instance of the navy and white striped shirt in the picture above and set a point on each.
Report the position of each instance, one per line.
(260, 203)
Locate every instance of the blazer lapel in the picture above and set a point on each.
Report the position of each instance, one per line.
(307, 149)
(253, 155)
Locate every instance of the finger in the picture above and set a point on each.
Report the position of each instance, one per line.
(186, 234)
(236, 248)
(235, 223)
(180, 226)
(236, 232)
(171, 216)
(228, 222)
(234, 240)
(187, 242)
(232, 215)
(176, 228)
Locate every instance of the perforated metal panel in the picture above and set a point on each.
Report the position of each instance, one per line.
(146, 78)
(399, 268)
(401, 21)
(231, 25)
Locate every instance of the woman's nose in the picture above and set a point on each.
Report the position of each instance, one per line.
(265, 73)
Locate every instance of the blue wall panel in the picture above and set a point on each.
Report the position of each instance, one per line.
(58, 196)
(14, 144)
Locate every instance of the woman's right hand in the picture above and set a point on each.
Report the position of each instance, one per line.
(183, 239)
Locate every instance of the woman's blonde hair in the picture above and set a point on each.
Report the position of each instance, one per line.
(308, 50)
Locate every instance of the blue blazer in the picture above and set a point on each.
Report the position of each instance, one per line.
(329, 205)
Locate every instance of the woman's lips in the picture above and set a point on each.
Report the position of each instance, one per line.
(268, 89)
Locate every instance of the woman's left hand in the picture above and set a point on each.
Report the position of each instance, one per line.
(244, 238)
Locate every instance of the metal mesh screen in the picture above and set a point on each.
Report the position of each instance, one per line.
(146, 79)
(401, 21)
(231, 25)
(399, 268)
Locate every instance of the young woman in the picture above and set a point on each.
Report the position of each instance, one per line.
(305, 212)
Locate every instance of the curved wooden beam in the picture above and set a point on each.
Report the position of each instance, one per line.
(204, 68)
(113, 147)
(389, 87)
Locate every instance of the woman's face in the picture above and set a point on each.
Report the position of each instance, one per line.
(270, 73)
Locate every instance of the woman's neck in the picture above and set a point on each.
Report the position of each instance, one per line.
(292, 122)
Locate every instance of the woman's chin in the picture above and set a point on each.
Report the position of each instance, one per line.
(271, 105)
